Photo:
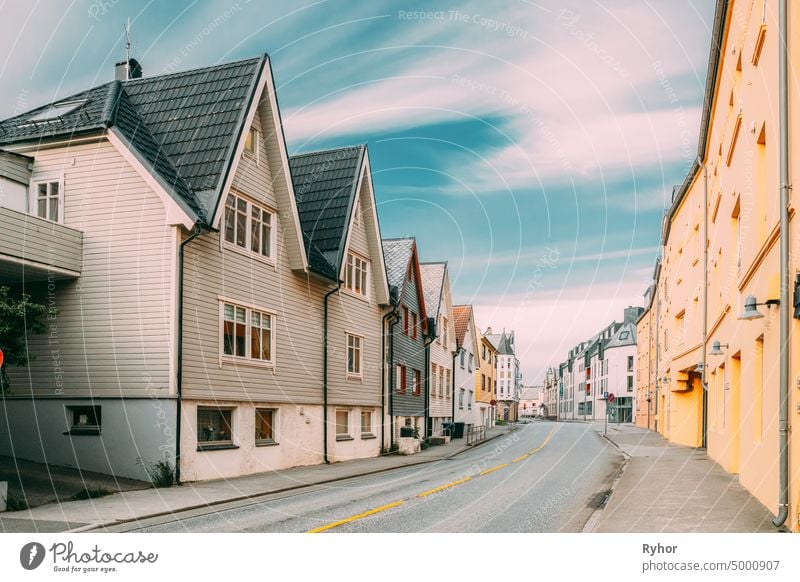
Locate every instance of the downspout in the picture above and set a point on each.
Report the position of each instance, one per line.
(384, 369)
(453, 387)
(703, 380)
(428, 341)
(783, 426)
(325, 458)
(179, 364)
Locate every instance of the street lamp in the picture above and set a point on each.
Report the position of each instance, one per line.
(716, 348)
(751, 307)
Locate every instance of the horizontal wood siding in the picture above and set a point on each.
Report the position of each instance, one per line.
(212, 271)
(31, 238)
(410, 353)
(15, 168)
(352, 314)
(110, 334)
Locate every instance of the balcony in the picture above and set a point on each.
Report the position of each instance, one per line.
(34, 249)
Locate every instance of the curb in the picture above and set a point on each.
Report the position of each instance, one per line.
(593, 520)
(255, 496)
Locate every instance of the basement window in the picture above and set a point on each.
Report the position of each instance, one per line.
(214, 428)
(84, 420)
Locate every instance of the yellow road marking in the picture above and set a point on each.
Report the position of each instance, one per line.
(443, 487)
(493, 469)
(521, 458)
(544, 442)
(356, 517)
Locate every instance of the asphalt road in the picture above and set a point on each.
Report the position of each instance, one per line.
(543, 477)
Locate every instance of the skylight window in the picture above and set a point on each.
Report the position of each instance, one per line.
(56, 111)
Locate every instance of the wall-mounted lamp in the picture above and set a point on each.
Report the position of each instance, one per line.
(699, 367)
(716, 348)
(665, 381)
(751, 307)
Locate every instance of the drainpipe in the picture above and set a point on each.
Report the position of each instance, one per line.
(179, 364)
(703, 380)
(453, 387)
(783, 426)
(428, 340)
(392, 314)
(325, 458)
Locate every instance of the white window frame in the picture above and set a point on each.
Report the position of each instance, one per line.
(360, 373)
(368, 434)
(349, 286)
(247, 359)
(342, 436)
(269, 441)
(248, 234)
(33, 197)
(256, 153)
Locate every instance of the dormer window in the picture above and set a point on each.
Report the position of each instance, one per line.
(251, 143)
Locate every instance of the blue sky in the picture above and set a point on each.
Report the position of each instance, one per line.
(532, 145)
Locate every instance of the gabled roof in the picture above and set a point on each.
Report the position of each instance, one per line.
(462, 314)
(326, 188)
(502, 342)
(433, 275)
(185, 125)
(397, 254)
(625, 336)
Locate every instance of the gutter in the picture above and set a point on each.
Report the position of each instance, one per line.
(704, 381)
(783, 422)
(325, 458)
(198, 229)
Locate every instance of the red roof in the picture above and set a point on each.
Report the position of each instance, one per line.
(461, 315)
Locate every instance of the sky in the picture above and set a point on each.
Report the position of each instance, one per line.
(531, 145)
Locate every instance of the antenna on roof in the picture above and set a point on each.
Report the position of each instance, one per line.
(130, 67)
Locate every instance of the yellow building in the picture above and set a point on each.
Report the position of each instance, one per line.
(646, 364)
(485, 381)
(721, 242)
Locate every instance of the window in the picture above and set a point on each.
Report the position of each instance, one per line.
(239, 323)
(366, 423)
(414, 326)
(356, 275)
(84, 419)
(469, 400)
(214, 426)
(354, 343)
(470, 363)
(630, 363)
(249, 227)
(343, 425)
(417, 382)
(447, 383)
(461, 398)
(265, 426)
(434, 379)
(401, 378)
(251, 143)
(405, 320)
(48, 200)
(463, 357)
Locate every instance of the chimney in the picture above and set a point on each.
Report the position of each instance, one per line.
(130, 69)
(632, 314)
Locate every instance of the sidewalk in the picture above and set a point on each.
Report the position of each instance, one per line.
(134, 505)
(671, 488)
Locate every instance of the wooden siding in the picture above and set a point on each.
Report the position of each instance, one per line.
(442, 355)
(15, 168)
(213, 271)
(410, 353)
(348, 313)
(33, 239)
(111, 333)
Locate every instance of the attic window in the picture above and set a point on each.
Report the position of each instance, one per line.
(56, 111)
(251, 142)
(624, 335)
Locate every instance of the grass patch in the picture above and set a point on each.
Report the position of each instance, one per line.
(162, 473)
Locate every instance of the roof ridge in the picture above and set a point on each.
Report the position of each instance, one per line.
(143, 79)
(396, 239)
(443, 263)
(327, 151)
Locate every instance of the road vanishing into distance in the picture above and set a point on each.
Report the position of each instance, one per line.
(542, 477)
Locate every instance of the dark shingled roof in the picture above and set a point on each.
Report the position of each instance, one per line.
(325, 190)
(432, 285)
(185, 125)
(461, 317)
(504, 345)
(397, 254)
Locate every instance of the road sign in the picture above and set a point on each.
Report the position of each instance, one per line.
(611, 398)
(1, 357)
